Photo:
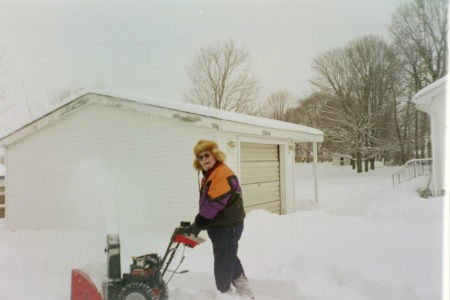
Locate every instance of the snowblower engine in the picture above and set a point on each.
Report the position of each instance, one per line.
(145, 280)
(145, 265)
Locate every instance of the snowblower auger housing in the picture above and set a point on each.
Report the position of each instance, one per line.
(145, 279)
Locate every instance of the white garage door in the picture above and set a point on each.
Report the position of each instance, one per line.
(260, 177)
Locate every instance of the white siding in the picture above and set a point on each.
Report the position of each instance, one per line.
(228, 144)
(287, 156)
(69, 173)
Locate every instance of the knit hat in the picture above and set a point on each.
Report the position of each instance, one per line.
(207, 145)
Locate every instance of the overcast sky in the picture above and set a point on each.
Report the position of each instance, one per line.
(144, 47)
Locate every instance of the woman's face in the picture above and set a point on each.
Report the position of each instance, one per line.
(207, 160)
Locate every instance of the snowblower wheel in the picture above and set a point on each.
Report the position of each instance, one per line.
(164, 294)
(141, 291)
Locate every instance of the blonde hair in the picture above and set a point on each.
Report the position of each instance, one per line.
(207, 145)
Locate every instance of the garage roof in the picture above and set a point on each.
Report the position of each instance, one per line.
(181, 111)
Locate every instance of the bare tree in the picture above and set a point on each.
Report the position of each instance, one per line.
(308, 110)
(3, 70)
(221, 77)
(403, 113)
(23, 105)
(277, 105)
(419, 31)
(64, 93)
(356, 80)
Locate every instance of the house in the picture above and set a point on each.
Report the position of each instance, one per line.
(433, 100)
(341, 160)
(101, 157)
(2, 194)
(2, 184)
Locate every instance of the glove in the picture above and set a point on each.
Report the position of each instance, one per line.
(194, 229)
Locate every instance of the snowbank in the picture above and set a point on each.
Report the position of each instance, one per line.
(366, 240)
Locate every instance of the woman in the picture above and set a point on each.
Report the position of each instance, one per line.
(221, 213)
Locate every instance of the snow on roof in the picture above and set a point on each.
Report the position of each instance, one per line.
(182, 107)
(210, 112)
(431, 90)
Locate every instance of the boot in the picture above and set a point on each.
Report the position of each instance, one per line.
(229, 295)
(243, 287)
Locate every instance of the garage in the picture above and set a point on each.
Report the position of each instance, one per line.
(260, 176)
(101, 156)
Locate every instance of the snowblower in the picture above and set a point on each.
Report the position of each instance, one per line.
(146, 278)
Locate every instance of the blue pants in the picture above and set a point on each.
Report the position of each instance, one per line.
(227, 265)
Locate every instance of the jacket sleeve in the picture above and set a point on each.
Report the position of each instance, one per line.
(215, 197)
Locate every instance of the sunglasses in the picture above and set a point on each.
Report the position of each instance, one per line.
(204, 156)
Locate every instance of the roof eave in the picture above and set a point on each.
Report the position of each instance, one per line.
(239, 123)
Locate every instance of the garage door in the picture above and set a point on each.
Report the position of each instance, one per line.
(260, 177)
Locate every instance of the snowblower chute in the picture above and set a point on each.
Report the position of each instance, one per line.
(145, 280)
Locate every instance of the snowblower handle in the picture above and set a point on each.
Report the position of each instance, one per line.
(185, 224)
(182, 235)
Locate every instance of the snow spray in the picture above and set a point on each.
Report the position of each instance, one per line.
(92, 196)
(105, 189)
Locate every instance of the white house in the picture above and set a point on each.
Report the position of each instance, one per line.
(2, 184)
(101, 156)
(433, 100)
(341, 160)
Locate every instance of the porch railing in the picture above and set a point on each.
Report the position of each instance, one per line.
(412, 169)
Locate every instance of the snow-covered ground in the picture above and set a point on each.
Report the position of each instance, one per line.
(366, 240)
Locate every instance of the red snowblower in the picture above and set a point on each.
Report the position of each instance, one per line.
(146, 278)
